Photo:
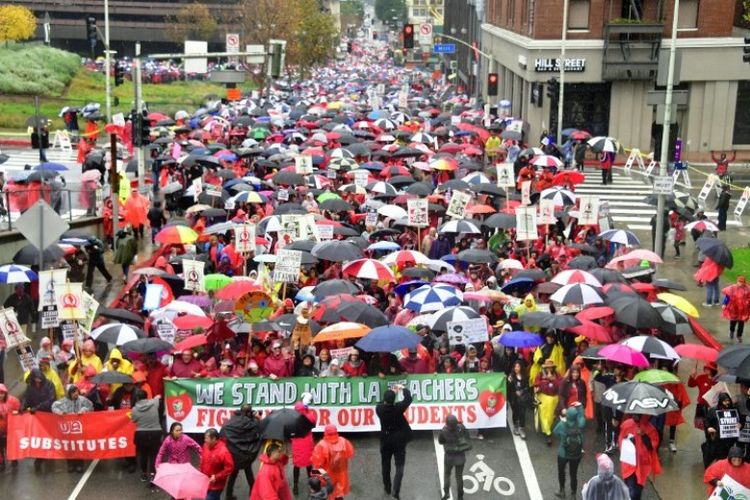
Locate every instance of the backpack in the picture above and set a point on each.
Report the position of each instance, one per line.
(573, 443)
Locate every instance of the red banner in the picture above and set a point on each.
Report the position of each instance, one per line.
(103, 434)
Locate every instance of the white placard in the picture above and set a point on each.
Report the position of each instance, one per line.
(69, 297)
(455, 120)
(627, 452)
(197, 188)
(707, 186)
(26, 358)
(729, 489)
(118, 119)
(192, 272)
(194, 64)
(11, 328)
(546, 212)
(47, 282)
(292, 224)
(505, 175)
(303, 164)
(663, 185)
(244, 238)
(526, 223)
(230, 204)
(742, 202)
(325, 231)
(166, 330)
(728, 424)
(468, 331)
(90, 306)
(403, 100)
(457, 205)
(331, 174)
(282, 194)
(152, 299)
(309, 228)
(417, 212)
(68, 329)
(588, 210)
(287, 267)
(361, 177)
(341, 354)
(371, 219)
(526, 193)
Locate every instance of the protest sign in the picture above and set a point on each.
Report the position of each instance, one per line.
(417, 212)
(26, 357)
(728, 424)
(282, 194)
(48, 317)
(88, 436)
(325, 231)
(505, 175)
(287, 267)
(526, 223)
(526, 193)
(166, 330)
(68, 329)
(546, 212)
(729, 489)
(371, 219)
(467, 331)
(303, 164)
(457, 205)
(11, 329)
(588, 210)
(293, 225)
(360, 177)
(197, 185)
(47, 282)
(192, 273)
(152, 299)
(244, 238)
(90, 307)
(477, 399)
(69, 297)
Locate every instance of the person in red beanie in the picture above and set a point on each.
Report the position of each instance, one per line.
(216, 463)
(333, 453)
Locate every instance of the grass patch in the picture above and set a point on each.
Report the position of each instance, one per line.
(34, 69)
(741, 265)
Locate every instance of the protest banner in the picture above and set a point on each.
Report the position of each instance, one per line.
(467, 331)
(192, 273)
(417, 213)
(88, 436)
(526, 223)
(341, 354)
(729, 421)
(457, 205)
(477, 399)
(244, 238)
(729, 489)
(287, 267)
(69, 298)
(11, 328)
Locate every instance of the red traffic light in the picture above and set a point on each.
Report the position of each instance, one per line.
(493, 78)
(408, 28)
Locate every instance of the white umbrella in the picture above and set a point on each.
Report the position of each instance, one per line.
(392, 211)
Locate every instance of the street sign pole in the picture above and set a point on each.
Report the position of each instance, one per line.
(561, 93)
(114, 182)
(658, 240)
(137, 84)
(108, 63)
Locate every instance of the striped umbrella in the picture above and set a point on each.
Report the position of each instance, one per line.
(343, 164)
(621, 236)
(13, 273)
(342, 331)
(459, 226)
(570, 276)
(423, 138)
(382, 187)
(578, 294)
(648, 344)
(602, 143)
(439, 320)
(559, 195)
(403, 257)
(547, 161)
(176, 235)
(385, 124)
(249, 197)
(368, 269)
(117, 333)
(432, 298)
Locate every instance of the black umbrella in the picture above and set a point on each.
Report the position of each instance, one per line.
(112, 378)
(582, 262)
(474, 256)
(419, 272)
(336, 205)
(607, 275)
(549, 320)
(120, 315)
(289, 208)
(337, 251)
(359, 312)
(302, 245)
(289, 179)
(284, 424)
(146, 345)
(633, 310)
(334, 287)
(486, 188)
(267, 326)
(716, 250)
(733, 356)
(534, 274)
(639, 398)
(667, 283)
(592, 352)
(29, 255)
(502, 221)
(214, 212)
(455, 185)
(419, 189)
(383, 233)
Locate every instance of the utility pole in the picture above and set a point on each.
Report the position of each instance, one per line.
(139, 112)
(38, 125)
(663, 159)
(108, 62)
(561, 96)
(114, 182)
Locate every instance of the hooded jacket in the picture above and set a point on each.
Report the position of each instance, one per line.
(395, 431)
(332, 453)
(718, 469)
(38, 398)
(605, 485)
(647, 460)
(69, 406)
(7, 407)
(216, 461)
(452, 436)
(242, 437)
(271, 483)
(573, 423)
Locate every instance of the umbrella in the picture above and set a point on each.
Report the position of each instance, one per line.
(577, 294)
(697, 351)
(520, 285)
(570, 276)
(549, 320)
(16, 274)
(176, 235)
(440, 319)
(597, 312)
(639, 398)
(342, 331)
(584, 262)
(190, 322)
(122, 315)
(191, 342)
(733, 356)
(429, 298)
(388, 339)
(474, 256)
(146, 345)
(619, 353)
(359, 312)
(181, 480)
(117, 333)
(655, 348)
(680, 303)
(459, 226)
(656, 377)
(559, 196)
(520, 339)
(337, 251)
(635, 311)
(29, 255)
(675, 320)
(112, 377)
(667, 283)
(331, 288)
(620, 236)
(284, 424)
(716, 250)
(216, 281)
(336, 205)
(601, 143)
(590, 330)
(368, 269)
(404, 257)
(502, 221)
(607, 275)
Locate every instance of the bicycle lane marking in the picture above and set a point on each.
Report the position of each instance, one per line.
(527, 468)
(440, 456)
(82, 482)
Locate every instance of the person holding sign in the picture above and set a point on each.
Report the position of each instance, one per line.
(722, 430)
(733, 466)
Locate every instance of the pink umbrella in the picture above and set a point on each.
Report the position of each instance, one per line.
(181, 480)
(634, 257)
(623, 354)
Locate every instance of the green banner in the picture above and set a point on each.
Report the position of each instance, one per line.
(477, 399)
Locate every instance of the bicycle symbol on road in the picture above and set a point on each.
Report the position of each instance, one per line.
(484, 477)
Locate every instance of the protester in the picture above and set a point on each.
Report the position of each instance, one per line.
(216, 463)
(395, 434)
(570, 431)
(605, 485)
(176, 447)
(736, 307)
(456, 442)
(547, 388)
(148, 433)
(302, 447)
(271, 481)
(733, 466)
(321, 487)
(72, 404)
(332, 454)
(643, 436)
(241, 435)
(520, 397)
(8, 405)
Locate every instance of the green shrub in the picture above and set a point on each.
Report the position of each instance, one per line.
(34, 69)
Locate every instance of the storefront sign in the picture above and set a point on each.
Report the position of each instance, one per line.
(477, 399)
(104, 434)
(548, 65)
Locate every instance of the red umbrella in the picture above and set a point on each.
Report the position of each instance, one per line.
(591, 330)
(580, 135)
(568, 177)
(450, 147)
(237, 289)
(190, 322)
(482, 133)
(619, 287)
(643, 287)
(592, 313)
(697, 351)
(191, 342)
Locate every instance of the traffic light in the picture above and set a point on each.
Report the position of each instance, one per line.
(553, 89)
(119, 74)
(746, 50)
(135, 129)
(349, 47)
(91, 34)
(492, 84)
(408, 36)
(145, 129)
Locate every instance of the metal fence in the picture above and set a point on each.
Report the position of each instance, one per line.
(70, 203)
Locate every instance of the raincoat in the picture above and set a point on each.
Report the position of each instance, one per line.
(683, 400)
(217, 461)
(7, 407)
(556, 355)
(126, 367)
(647, 460)
(737, 301)
(271, 483)
(38, 398)
(332, 453)
(605, 485)
(548, 399)
(302, 447)
(718, 469)
(573, 423)
(68, 406)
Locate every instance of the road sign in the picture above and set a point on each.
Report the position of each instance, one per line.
(41, 225)
(196, 64)
(663, 185)
(444, 48)
(233, 45)
(258, 54)
(425, 34)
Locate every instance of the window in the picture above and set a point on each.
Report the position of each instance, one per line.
(578, 14)
(688, 14)
(742, 114)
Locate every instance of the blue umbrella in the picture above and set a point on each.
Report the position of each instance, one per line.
(384, 245)
(520, 285)
(404, 288)
(520, 339)
(374, 115)
(13, 273)
(57, 167)
(388, 339)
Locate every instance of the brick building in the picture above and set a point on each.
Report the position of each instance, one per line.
(613, 53)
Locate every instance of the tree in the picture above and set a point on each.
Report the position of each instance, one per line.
(192, 22)
(16, 23)
(262, 20)
(314, 39)
(352, 12)
(386, 10)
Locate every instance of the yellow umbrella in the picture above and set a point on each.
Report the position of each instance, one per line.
(680, 303)
(341, 331)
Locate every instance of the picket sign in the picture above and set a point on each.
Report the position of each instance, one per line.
(634, 158)
(62, 141)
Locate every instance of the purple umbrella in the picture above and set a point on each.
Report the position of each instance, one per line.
(198, 300)
(452, 278)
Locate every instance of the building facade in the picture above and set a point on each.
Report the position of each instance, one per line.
(616, 53)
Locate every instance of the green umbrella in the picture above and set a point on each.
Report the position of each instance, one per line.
(216, 281)
(328, 196)
(656, 377)
(260, 133)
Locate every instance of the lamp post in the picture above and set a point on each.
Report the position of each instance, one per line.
(561, 96)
